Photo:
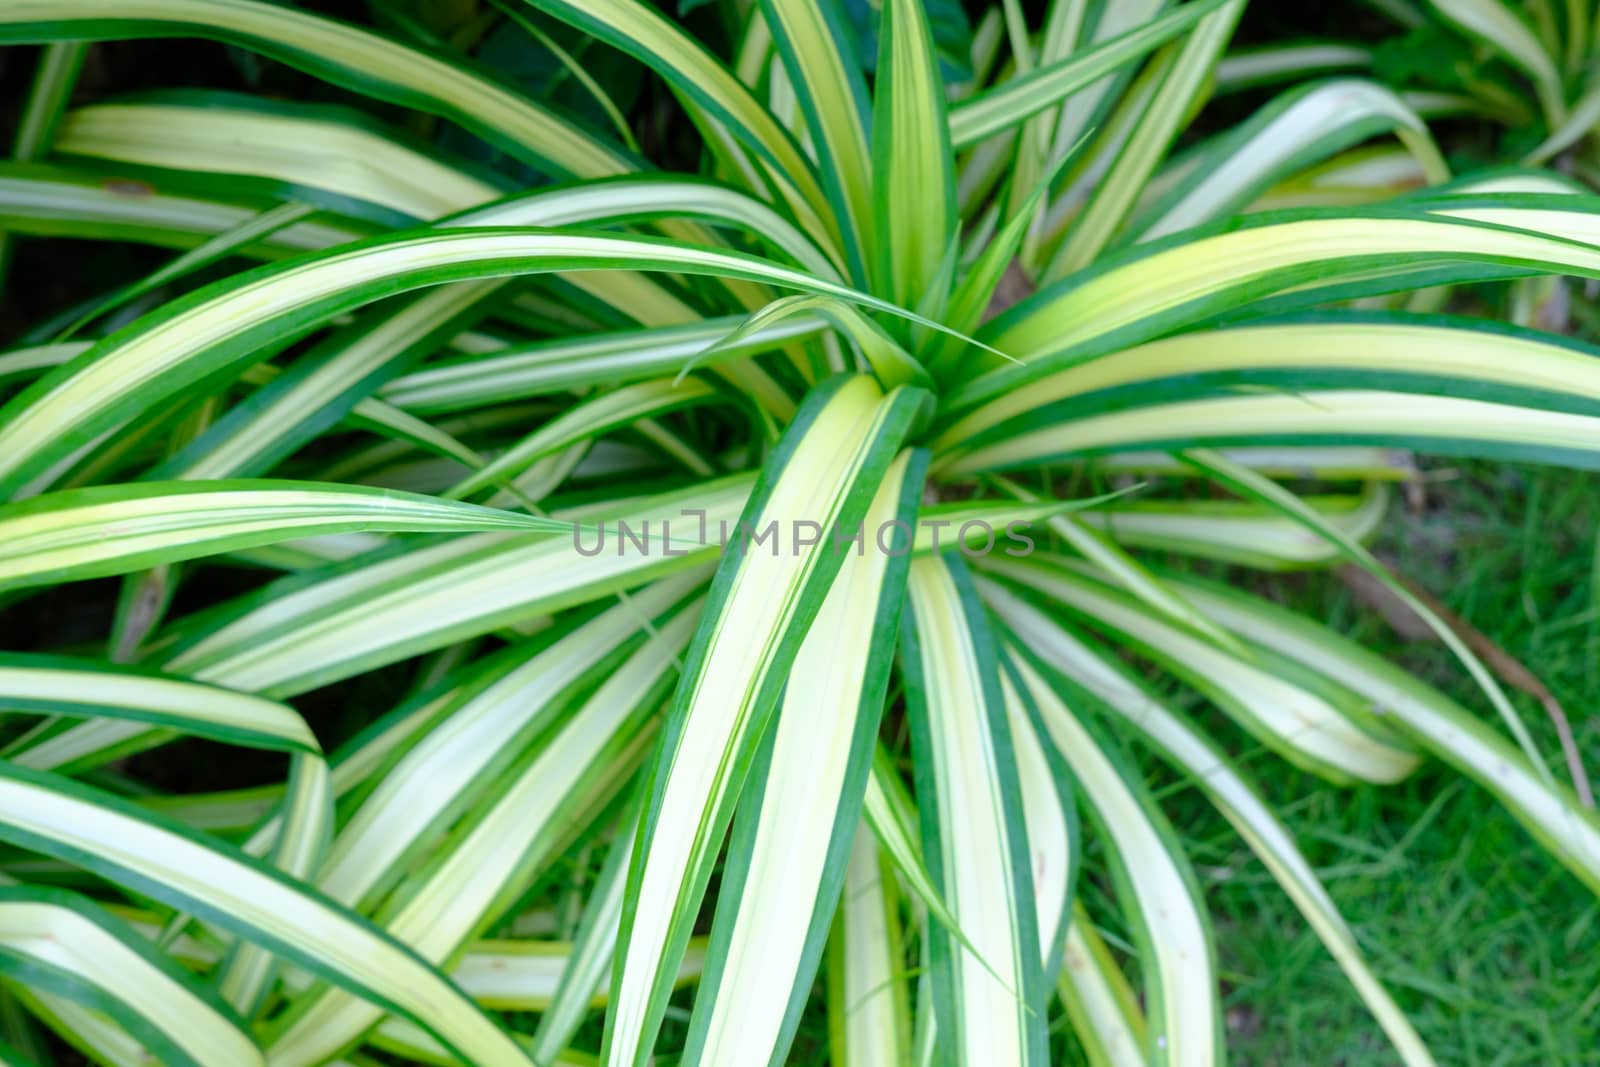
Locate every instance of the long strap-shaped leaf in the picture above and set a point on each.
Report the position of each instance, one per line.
(832, 95)
(53, 81)
(134, 848)
(1255, 486)
(913, 184)
(328, 383)
(826, 471)
(972, 828)
(1298, 128)
(1100, 103)
(346, 368)
(69, 201)
(892, 364)
(713, 91)
(305, 825)
(347, 55)
(1333, 464)
(588, 966)
(1423, 421)
(1257, 65)
(348, 619)
(1234, 796)
(1550, 812)
(641, 197)
(584, 420)
(1007, 105)
(348, 168)
(1325, 730)
(223, 246)
(1429, 354)
(363, 757)
(1050, 816)
(1161, 898)
(30, 362)
(353, 170)
(60, 942)
(74, 686)
(134, 701)
(1504, 30)
(490, 864)
(305, 818)
(1159, 120)
(330, 624)
(219, 330)
(457, 760)
(1157, 288)
(1101, 1005)
(130, 702)
(1242, 532)
(89, 533)
(306, 153)
(892, 817)
(801, 806)
(869, 1011)
(1127, 571)
(618, 358)
(523, 975)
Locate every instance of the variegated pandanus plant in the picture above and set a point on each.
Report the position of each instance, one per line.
(673, 796)
(1522, 68)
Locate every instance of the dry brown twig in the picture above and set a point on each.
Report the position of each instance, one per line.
(1510, 670)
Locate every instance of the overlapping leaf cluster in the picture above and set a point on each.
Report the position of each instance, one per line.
(903, 293)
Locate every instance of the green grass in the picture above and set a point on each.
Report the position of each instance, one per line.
(1493, 950)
